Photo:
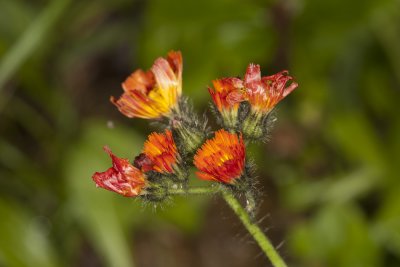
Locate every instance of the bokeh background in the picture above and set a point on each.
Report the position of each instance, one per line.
(330, 175)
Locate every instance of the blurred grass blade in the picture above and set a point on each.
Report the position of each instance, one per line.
(99, 212)
(24, 238)
(385, 23)
(30, 39)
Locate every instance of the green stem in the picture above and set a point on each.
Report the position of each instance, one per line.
(250, 204)
(193, 191)
(254, 230)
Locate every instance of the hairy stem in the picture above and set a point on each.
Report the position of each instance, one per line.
(193, 191)
(254, 230)
(250, 204)
(242, 214)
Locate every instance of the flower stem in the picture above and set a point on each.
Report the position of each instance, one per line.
(193, 191)
(254, 230)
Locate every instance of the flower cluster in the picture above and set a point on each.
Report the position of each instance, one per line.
(243, 110)
(257, 95)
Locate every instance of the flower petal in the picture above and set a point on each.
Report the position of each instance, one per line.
(160, 152)
(139, 80)
(152, 94)
(221, 158)
(122, 177)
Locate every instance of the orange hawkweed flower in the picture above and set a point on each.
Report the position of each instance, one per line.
(227, 95)
(263, 93)
(222, 158)
(159, 154)
(122, 177)
(152, 94)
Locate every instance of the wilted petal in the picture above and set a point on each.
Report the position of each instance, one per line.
(122, 177)
(265, 93)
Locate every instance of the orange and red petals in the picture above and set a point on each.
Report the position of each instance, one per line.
(136, 104)
(168, 72)
(264, 93)
(152, 94)
(122, 177)
(175, 61)
(227, 93)
(139, 81)
(159, 153)
(222, 158)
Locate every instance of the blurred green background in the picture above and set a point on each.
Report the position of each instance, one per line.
(330, 175)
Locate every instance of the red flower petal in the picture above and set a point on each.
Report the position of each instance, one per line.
(263, 93)
(122, 177)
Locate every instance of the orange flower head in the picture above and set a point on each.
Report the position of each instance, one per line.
(159, 154)
(152, 94)
(264, 93)
(227, 93)
(221, 158)
(122, 177)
